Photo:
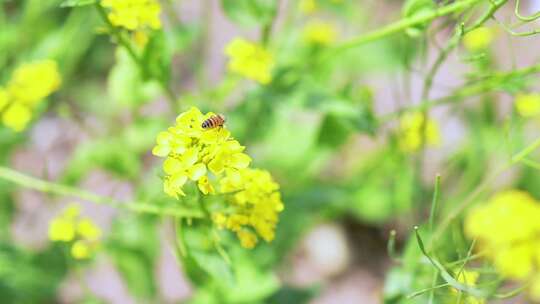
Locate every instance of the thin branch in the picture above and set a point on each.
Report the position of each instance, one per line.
(64, 190)
(525, 18)
(403, 24)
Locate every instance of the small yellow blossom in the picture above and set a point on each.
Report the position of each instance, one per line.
(307, 7)
(410, 132)
(82, 233)
(80, 250)
(29, 85)
(528, 105)
(134, 15)
(320, 33)
(88, 230)
(192, 153)
(508, 231)
(140, 38)
(478, 39)
(16, 117)
(250, 60)
(31, 82)
(62, 230)
(247, 238)
(205, 186)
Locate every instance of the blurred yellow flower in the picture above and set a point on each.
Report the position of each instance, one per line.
(247, 238)
(16, 117)
(88, 230)
(80, 250)
(307, 7)
(62, 230)
(410, 132)
(508, 231)
(250, 60)
(134, 15)
(69, 227)
(193, 152)
(29, 84)
(255, 202)
(479, 39)
(320, 33)
(528, 105)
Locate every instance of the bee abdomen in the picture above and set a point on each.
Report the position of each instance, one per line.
(213, 122)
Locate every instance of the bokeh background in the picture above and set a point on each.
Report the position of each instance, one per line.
(345, 185)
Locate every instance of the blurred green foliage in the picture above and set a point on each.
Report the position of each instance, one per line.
(303, 127)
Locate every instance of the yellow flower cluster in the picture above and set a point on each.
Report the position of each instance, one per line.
(255, 202)
(250, 60)
(320, 33)
(410, 132)
(508, 231)
(134, 15)
(29, 84)
(528, 105)
(69, 227)
(192, 153)
(478, 39)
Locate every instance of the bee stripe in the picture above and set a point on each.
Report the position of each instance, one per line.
(213, 122)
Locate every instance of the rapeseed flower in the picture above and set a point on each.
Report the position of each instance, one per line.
(82, 233)
(219, 166)
(527, 105)
(320, 33)
(134, 15)
(255, 202)
(191, 153)
(250, 60)
(479, 39)
(508, 231)
(28, 86)
(410, 132)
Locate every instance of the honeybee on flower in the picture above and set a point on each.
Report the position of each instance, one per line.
(214, 122)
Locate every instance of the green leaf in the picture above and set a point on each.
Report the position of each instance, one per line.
(126, 84)
(416, 8)
(73, 3)
(249, 12)
(156, 58)
(137, 271)
(334, 130)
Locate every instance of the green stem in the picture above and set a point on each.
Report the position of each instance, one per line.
(482, 86)
(59, 189)
(434, 201)
(525, 18)
(266, 30)
(403, 24)
(480, 189)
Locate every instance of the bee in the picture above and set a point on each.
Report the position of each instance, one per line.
(213, 122)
